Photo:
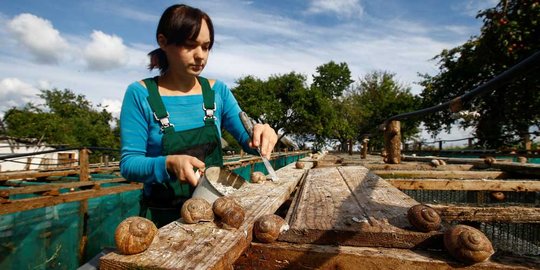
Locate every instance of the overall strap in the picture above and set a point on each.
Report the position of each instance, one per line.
(209, 104)
(156, 104)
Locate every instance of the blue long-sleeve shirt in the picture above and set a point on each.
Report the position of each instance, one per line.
(141, 158)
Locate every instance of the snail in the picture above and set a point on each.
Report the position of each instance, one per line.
(229, 211)
(442, 162)
(195, 210)
(424, 218)
(268, 227)
(497, 195)
(134, 235)
(490, 160)
(299, 165)
(467, 244)
(257, 177)
(522, 159)
(434, 162)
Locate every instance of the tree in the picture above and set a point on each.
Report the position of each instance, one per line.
(510, 34)
(64, 119)
(377, 97)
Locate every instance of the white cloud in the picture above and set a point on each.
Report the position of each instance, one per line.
(39, 37)
(472, 7)
(346, 8)
(113, 106)
(16, 93)
(105, 52)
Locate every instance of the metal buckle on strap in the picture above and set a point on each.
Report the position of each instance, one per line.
(209, 113)
(165, 122)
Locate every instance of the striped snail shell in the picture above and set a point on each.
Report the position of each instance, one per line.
(134, 235)
(230, 212)
(257, 177)
(268, 227)
(467, 244)
(424, 218)
(299, 165)
(195, 210)
(497, 195)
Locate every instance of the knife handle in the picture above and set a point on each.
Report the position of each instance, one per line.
(248, 123)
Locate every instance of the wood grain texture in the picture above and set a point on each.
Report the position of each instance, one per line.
(457, 184)
(507, 214)
(205, 245)
(302, 256)
(441, 174)
(350, 206)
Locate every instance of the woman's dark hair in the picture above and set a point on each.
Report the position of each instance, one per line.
(179, 23)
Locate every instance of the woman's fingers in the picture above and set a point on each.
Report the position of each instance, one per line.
(183, 167)
(265, 138)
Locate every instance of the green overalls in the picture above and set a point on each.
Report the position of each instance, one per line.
(166, 198)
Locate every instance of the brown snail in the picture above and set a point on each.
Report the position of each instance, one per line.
(434, 162)
(299, 165)
(268, 227)
(424, 218)
(195, 210)
(522, 159)
(134, 235)
(497, 195)
(229, 211)
(490, 160)
(467, 244)
(257, 177)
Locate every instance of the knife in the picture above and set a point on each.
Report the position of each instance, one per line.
(248, 125)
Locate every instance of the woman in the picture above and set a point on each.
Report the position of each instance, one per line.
(171, 124)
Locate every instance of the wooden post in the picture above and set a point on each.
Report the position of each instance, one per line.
(106, 160)
(527, 141)
(350, 147)
(392, 142)
(440, 145)
(364, 148)
(470, 142)
(84, 175)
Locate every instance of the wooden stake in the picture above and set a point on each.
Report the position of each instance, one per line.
(392, 142)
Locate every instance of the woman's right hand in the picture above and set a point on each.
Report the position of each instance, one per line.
(183, 167)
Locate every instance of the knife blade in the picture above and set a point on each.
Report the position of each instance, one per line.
(248, 125)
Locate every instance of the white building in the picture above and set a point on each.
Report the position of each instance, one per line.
(10, 147)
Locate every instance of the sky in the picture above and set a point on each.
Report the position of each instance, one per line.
(97, 48)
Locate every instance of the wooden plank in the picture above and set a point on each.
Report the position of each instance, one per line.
(4, 176)
(302, 256)
(350, 206)
(204, 245)
(442, 174)
(413, 166)
(57, 186)
(13, 206)
(456, 184)
(507, 214)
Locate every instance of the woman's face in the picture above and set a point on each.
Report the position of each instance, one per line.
(189, 59)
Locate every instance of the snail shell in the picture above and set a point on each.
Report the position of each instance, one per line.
(442, 162)
(299, 165)
(467, 244)
(268, 227)
(434, 162)
(134, 235)
(522, 159)
(229, 211)
(424, 218)
(258, 177)
(195, 210)
(490, 160)
(498, 195)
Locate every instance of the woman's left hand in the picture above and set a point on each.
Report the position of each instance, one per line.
(264, 137)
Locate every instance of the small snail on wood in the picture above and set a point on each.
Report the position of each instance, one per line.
(497, 195)
(268, 227)
(424, 218)
(467, 244)
(257, 177)
(195, 210)
(490, 160)
(299, 165)
(229, 211)
(522, 159)
(134, 235)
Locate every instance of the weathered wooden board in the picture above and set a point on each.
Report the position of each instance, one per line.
(458, 184)
(302, 256)
(205, 245)
(507, 214)
(351, 206)
(37, 174)
(442, 174)
(414, 166)
(12, 206)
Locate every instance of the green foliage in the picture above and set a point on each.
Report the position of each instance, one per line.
(65, 119)
(375, 98)
(510, 33)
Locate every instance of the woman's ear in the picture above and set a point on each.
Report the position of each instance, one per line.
(162, 41)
